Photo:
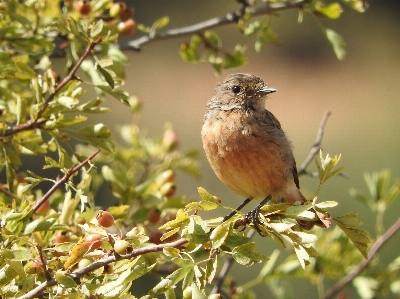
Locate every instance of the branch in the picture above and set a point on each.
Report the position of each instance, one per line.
(100, 263)
(316, 146)
(361, 267)
(37, 122)
(229, 18)
(63, 180)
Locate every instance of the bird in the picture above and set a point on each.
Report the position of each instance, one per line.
(246, 146)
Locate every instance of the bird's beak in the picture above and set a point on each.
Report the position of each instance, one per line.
(266, 90)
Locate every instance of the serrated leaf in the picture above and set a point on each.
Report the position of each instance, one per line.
(124, 278)
(302, 255)
(211, 269)
(218, 235)
(274, 208)
(245, 255)
(170, 281)
(202, 205)
(181, 219)
(360, 237)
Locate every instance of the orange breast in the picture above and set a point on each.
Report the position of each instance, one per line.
(247, 160)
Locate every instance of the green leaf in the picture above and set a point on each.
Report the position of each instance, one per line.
(109, 79)
(120, 95)
(218, 235)
(181, 219)
(68, 102)
(357, 5)
(211, 269)
(189, 53)
(326, 204)
(360, 237)
(171, 280)
(331, 11)
(202, 205)
(337, 42)
(16, 255)
(65, 280)
(245, 255)
(97, 29)
(99, 136)
(236, 59)
(160, 23)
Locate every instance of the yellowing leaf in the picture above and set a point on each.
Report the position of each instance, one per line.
(77, 253)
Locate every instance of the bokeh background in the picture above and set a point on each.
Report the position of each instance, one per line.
(362, 92)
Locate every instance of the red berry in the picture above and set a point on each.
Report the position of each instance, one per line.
(95, 239)
(44, 208)
(62, 237)
(155, 237)
(83, 7)
(127, 27)
(104, 218)
(168, 189)
(154, 216)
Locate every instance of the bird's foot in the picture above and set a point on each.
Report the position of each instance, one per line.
(252, 216)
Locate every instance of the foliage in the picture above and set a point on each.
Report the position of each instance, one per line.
(53, 241)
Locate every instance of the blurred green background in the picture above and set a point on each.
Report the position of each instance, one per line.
(362, 92)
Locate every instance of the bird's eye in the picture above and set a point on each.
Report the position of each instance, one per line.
(236, 89)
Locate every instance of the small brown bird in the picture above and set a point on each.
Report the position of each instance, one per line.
(246, 146)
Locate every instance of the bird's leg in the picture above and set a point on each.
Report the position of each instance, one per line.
(245, 202)
(252, 216)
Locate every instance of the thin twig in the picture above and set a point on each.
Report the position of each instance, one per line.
(316, 146)
(229, 18)
(361, 267)
(225, 270)
(44, 262)
(63, 180)
(37, 122)
(100, 263)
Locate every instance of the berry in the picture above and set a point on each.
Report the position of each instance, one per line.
(62, 237)
(127, 27)
(44, 208)
(104, 218)
(117, 9)
(122, 247)
(168, 189)
(154, 216)
(95, 239)
(83, 7)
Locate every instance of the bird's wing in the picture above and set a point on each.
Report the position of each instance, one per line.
(277, 125)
